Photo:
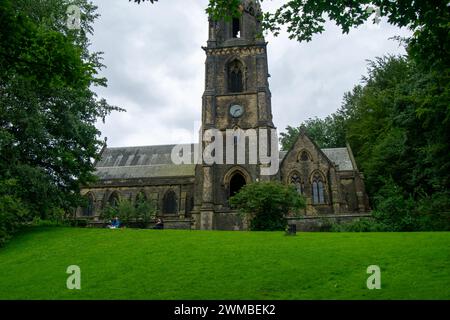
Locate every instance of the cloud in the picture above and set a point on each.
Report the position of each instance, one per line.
(155, 69)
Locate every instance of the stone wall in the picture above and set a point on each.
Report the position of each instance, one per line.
(318, 223)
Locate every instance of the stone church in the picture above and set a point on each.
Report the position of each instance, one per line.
(236, 97)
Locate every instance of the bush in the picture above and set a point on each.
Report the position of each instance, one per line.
(394, 209)
(399, 211)
(434, 212)
(266, 204)
(142, 212)
(12, 214)
(15, 212)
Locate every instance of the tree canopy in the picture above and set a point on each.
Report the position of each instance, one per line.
(48, 109)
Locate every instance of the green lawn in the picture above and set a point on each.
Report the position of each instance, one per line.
(170, 264)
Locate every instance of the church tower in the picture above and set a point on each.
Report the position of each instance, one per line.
(236, 99)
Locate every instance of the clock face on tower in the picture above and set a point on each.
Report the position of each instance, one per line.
(236, 110)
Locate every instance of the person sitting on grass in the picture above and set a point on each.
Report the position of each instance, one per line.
(115, 223)
(159, 224)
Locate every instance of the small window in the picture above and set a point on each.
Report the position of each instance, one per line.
(236, 28)
(235, 77)
(304, 156)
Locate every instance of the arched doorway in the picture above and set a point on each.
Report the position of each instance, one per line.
(237, 181)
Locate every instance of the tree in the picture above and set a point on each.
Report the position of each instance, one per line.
(145, 210)
(304, 18)
(48, 111)
(398, 125)
(266, 204)
(326, 133)
(13, 212)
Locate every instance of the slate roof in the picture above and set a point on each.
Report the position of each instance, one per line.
(155, 162)
(340, 156)
(141, 162)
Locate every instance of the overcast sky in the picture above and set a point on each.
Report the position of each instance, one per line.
(155, 69)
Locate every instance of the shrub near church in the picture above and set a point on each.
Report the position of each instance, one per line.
(266, 204)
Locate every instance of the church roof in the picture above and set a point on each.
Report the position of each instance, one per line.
(156, 162)
(140, 162)
(340, 157)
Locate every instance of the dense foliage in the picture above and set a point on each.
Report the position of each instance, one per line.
(266, 204)
(326, 133)
(48, 111)
(12, 211)
(303, 18)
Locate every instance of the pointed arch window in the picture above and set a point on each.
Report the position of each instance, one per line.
(88, 210)
(318, 191)
(235, 76)
(170, 203)
(296, 181)
(113, 200)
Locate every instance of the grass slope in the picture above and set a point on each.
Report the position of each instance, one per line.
(170, 264)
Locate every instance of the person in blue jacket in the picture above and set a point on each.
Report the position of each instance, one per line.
(115, 223)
